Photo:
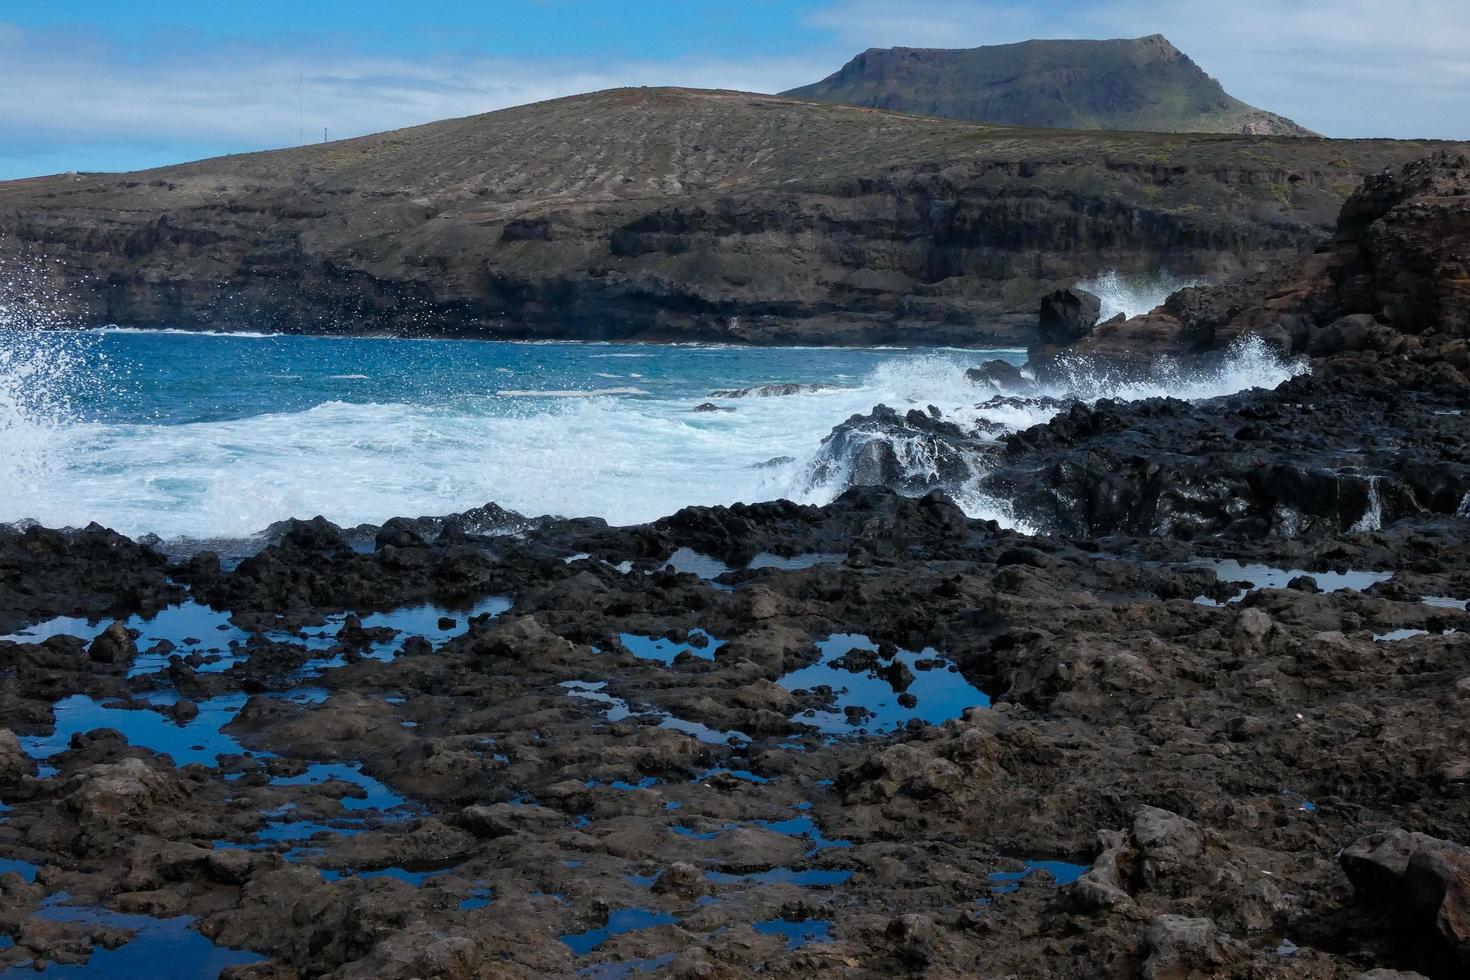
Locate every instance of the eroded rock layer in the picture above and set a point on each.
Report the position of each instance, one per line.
(672, 214)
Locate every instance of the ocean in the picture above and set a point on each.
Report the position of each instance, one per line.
(203, 437)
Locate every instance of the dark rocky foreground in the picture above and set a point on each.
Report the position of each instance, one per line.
(1214, 722)
(1156, 780)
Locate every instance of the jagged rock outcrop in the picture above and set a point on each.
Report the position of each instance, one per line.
(1389, 293)
(1251, 463)
(1424, 883)
(1067, 316)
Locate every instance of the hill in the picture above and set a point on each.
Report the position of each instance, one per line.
(673, 214)
(1143, 84)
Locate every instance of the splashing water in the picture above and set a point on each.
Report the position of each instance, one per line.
(1247, 364)
(1133, 295)
(217, 436)
(1372, 519)
(42, 372)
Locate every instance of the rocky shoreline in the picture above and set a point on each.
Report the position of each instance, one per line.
(1213, 722)
(1081, 756)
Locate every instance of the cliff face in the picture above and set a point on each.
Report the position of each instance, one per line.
(673, 214)
(1143, 84)
(1387, 295)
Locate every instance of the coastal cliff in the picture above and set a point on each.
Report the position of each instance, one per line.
(674, 214)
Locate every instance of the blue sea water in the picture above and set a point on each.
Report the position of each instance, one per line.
(216, 436)
(207, 436)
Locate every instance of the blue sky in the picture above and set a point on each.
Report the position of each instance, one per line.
(136, 83)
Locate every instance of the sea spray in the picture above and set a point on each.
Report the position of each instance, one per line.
(218, 438)
(1372, 519)
(43, 372)
(1133, 295)
(1248, 363)
(916, 456)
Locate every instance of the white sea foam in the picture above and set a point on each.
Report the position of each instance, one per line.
(1249, 363)
(1133, 295)
(165, 331)
(627, 454)
(568, 392)
(627, 459)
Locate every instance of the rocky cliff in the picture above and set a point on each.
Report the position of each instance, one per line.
(1141, 83)
(673, 214)
(1375, 434)
(1389, 292)
(1371, 429)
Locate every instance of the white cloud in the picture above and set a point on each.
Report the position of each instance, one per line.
(1342, 67)
(64, 90)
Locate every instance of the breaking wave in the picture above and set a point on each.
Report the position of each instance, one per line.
(43, 373)
(949, 449)
(154, 432)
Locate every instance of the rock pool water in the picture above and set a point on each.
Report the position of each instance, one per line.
(619, 921)
(938, 691)
(199, 739)
(161, 947)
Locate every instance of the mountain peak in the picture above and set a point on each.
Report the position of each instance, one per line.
(1141, 83)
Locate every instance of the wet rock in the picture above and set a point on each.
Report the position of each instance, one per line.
(914, 938)
(113, 645)
(1250, 463)
(521, 638)
(900, 770)
(1356, 332)
(771, 390)
(1067, 316)
(94, 571)
(897, 674)
(913, 452)
(183, 710)
(232, 866)
(418, 950)
(923, 770)
(1001, 375)
(15, 763)
(121, 794)
(683, 880)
